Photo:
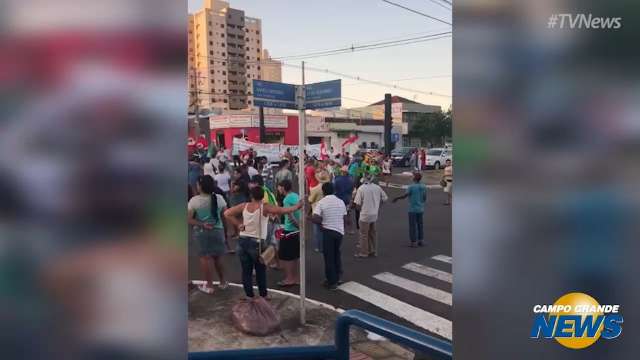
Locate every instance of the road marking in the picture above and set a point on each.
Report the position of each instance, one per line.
(431, 272)
(419, 317)
(399, 186)
(443, 258)
(415, 287)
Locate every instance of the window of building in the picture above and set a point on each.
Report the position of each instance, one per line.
(210, 33)
(246, 39)
(222, 44)
(211, 52)
(247, 48)
(225, 101)
(258, 50)
(225, 83)
(212, 72)
(257, 32)
(224, 91)
(258, 67)
(249, 102)
(222, 35)
(210, 62)
(213, 81)
(224, 72)
(248, 58)
(211, 43)
(222, 26)
(209, 23)
(224, 63)
(258, 59)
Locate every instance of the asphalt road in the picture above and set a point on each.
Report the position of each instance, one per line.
(397, 293)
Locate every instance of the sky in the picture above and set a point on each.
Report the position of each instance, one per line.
(291, 27)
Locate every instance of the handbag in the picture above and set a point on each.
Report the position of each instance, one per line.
(269, 253)
(443, 182)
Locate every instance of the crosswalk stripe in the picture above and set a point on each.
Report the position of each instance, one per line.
(415, 287)
(419, 317)
(431, 272)
(443, 258)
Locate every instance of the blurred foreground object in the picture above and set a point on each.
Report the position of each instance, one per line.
(92, 236)
(546, 171)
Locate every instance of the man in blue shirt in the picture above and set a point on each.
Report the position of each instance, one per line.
(417, 194)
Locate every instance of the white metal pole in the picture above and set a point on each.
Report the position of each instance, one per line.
(302, 189)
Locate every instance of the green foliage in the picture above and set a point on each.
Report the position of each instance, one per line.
(434, 127)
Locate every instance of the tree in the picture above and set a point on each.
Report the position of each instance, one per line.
(435, 128)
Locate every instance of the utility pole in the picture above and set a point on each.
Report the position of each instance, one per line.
(387, 124)
(302, 190)
(263, 134)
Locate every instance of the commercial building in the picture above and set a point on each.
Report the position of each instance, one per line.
(403, 111)
(283, 129)
(225, 55)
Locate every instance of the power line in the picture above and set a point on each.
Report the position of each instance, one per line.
(440, 4)
(353, 48)
(358, 78)
(417, 12)
(408, 79)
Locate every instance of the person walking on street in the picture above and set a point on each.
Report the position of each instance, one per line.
(343, 186)
(223, 179)
(330, 213)
(253, 233)
(289, 248)
(368, 199)
(204, 214)
(417, 194)
(310, 174)
(315, 195)
(448, 178)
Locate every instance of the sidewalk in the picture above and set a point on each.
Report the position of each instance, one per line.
(211, 328)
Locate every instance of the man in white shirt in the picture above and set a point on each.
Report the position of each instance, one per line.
(368, 198)
(222, 155)
(330, 212)
(251, 170)
(223, 178)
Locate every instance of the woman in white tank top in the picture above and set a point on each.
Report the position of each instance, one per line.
(253, 232)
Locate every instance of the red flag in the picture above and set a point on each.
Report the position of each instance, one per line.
(323, 151)
(350, 140)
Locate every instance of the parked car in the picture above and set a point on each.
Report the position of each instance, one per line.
(401, 156)
(436, 157)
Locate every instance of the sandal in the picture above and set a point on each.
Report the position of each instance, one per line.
(284, 284)
(223, 285)
(205, 289)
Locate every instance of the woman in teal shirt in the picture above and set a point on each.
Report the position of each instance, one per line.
(289, 249)
(204, 213)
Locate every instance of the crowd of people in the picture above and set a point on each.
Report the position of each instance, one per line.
(242, 204)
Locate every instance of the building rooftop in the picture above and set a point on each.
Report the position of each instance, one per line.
(396, 99)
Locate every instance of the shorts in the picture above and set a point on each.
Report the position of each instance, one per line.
(289, 249)
(210, 242)
(449, 187)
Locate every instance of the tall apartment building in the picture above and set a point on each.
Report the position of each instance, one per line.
(271, 69)
(225, 55)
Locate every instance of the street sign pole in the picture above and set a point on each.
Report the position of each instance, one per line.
(302, 190)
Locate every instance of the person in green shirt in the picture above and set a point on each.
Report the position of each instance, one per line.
(204, 214)
(289, 249)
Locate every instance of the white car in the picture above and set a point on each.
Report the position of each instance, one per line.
(436, 157)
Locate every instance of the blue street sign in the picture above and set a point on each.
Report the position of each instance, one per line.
(323, 94)
(274, 94)
(395, 137)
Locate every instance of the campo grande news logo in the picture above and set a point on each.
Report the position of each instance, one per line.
(576, 321)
